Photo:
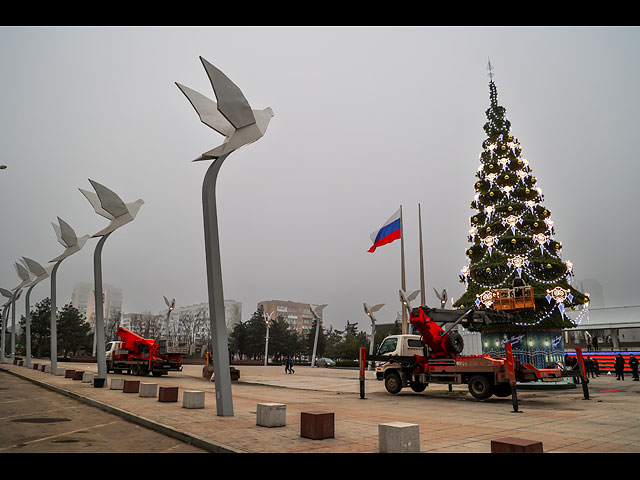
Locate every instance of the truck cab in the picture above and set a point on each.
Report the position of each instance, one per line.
(398, 345)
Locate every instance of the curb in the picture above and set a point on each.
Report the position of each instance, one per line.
(145, 422)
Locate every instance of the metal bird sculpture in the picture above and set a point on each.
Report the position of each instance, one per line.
(442, 297)
(38, 271)
(232, 116)
(109, 205)
(68, 239)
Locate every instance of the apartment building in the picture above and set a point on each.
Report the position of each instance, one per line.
(297, 314)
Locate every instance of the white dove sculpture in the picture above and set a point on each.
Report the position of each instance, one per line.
(232, 116)
(38, 271)
(110, 206)
(317, 312)
(24, 276)
(67, 238)
(171, 304)
(6, 293)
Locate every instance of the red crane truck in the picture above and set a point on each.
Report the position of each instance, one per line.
(434, 356)
(139, 356)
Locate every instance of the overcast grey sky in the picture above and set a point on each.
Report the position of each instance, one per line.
(366, 119)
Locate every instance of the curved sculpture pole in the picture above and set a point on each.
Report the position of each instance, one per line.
(67, 238)
(234, 118)
(5, 312)
(222, 375)
(27, 315)
(54, 321)
(317, 314)
(99, 324)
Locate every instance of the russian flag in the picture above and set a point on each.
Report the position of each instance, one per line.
(389, 232)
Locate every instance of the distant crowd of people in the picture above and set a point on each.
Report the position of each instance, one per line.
(592, 367)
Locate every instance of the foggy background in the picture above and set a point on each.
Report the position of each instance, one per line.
(366, 119)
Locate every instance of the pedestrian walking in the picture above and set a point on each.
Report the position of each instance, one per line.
(286, 364)
(633, 363)
(619, 366)
(595, 343)
(291, 370)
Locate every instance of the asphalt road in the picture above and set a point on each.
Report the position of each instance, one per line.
(34, 419)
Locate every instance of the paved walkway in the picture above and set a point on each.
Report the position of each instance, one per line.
(449, 422)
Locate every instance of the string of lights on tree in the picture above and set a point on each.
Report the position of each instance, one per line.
(512, 234)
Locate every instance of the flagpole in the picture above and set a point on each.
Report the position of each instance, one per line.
(423, 300)
(404, 286)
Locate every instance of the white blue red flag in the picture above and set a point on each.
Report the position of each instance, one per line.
(389, 232)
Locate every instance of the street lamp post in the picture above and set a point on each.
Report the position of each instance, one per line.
(171, 304)
(109, 205)
(267, 320)
(234, 118)
(317, 314)
(40, 273)
(67, 238)
(370, 311)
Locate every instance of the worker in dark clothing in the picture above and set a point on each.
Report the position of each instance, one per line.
(633, 363)
(619, 366)
(596, 366)
(588, 365)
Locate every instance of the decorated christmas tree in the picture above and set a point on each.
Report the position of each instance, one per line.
(512, 235)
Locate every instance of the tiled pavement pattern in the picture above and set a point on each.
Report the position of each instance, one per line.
(450, 422)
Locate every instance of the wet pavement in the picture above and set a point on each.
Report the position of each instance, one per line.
(449, 421)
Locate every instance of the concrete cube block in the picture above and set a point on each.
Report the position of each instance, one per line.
(60, 372)
(69, 373)
(168, 394)
(131, 386)
(271, 414)
(117, 384)
(515, 445)
(148, 390)
(317, 425)
(193, 399)
(87, 377)
(398, 437)
(46, 368)
(20, 363)
(35, 366)
(77, 375)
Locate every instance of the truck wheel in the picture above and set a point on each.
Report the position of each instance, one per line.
(502, 390)
(109, 366)
(480, 387)
(418, 386)
(455, 343)
(392, 383)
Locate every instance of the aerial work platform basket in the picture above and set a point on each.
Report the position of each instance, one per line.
(516, 298)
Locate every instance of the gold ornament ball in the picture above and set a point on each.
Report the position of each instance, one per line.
(506, 177)
(548, 265)
(491, 194)
(535, 224)
(527, 191)
(488, 229)
(488, 270)
(510, 208)
(513, 240)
